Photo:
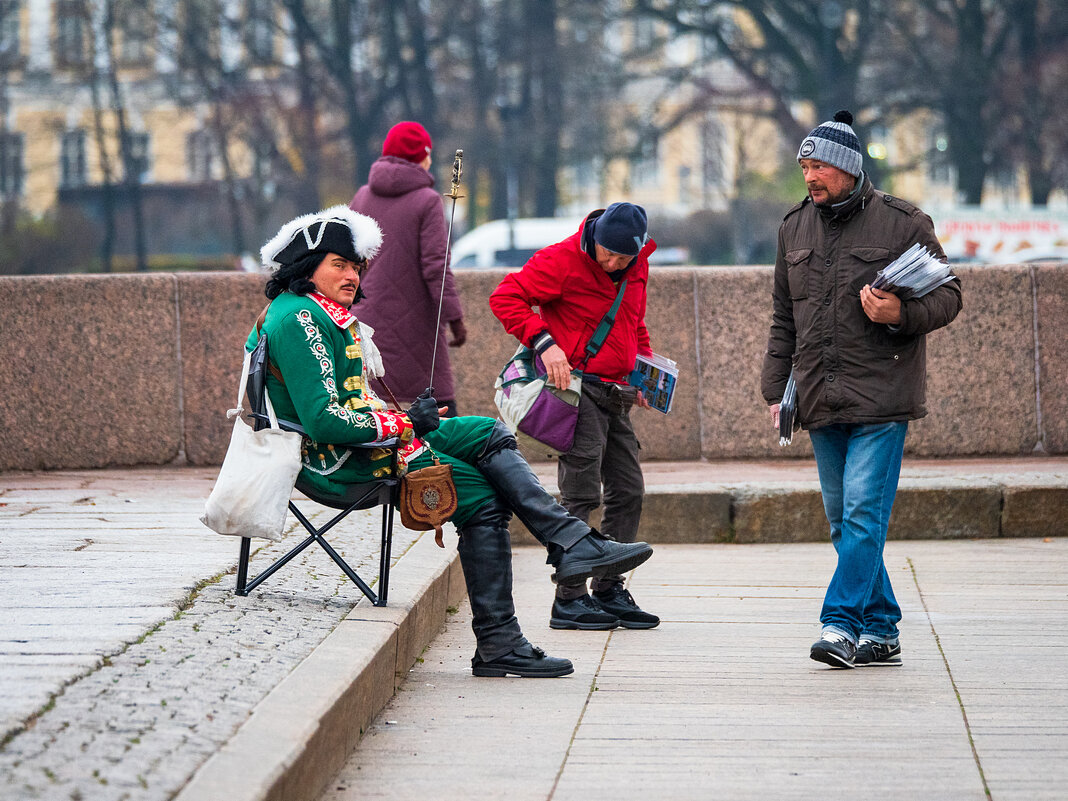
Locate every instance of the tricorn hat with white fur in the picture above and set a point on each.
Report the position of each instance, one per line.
(337, 229)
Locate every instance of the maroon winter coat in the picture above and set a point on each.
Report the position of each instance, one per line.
(403, 283)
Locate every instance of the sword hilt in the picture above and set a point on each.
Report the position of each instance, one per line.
(457, 172)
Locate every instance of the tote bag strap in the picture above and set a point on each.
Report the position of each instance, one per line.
(239, 409)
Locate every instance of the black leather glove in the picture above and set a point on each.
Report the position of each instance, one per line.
(424, 414)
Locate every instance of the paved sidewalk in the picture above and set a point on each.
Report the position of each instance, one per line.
(128, 664)
(721, 701)
(127, 661)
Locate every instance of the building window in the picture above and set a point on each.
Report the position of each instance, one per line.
(645, 169)
(137, 32)
(72, 33)
(9, 32)
(12, 174)
(200, 33)
(139, 156)
(72, 162)
(199, 155)
(259, 32)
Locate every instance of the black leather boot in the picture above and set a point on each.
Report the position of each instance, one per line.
(510, 475)
(596, 555)
(486, 558)
(527, 661)
(576, 550)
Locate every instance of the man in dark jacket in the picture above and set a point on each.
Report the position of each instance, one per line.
(859, 359)
(403, 284)
(574, 283)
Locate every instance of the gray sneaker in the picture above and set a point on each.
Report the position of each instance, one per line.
(834, 649)
(870, 652)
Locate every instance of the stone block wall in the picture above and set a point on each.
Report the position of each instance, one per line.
(140, 369)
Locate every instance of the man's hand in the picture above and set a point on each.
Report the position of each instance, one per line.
(459, 333)
(556, 366)
(774, 409)
(641, 402)
(880, 306)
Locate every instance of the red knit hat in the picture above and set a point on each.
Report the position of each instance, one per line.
(407, 140)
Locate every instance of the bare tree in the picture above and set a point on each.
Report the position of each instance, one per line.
(789, 50)
(948, 56)
(1034, 95)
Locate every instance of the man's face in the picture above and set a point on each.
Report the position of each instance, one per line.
(338, 278)
(827, 185)
(611, 261)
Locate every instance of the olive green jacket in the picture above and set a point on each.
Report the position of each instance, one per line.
(317, 379)
(848, 368)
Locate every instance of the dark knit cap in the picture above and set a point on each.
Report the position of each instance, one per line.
(623, 228)
(835, 143)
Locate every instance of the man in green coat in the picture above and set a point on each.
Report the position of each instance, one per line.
(321, 359)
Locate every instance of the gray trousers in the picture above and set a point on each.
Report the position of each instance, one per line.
(605, 454)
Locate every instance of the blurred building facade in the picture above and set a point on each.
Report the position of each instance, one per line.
(91, 107)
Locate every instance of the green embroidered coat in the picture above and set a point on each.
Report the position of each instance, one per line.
(318, 348)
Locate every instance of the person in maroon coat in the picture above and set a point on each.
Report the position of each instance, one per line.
(403, 282)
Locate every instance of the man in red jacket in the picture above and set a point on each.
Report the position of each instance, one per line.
(403, 284)
(573, 284)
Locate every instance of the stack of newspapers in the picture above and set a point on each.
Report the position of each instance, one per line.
(913, 274)
(788, 411)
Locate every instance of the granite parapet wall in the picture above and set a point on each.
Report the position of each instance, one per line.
(140, 369)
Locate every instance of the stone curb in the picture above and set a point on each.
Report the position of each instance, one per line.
(299, 736)
(930, 508)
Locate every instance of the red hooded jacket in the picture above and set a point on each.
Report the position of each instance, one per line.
(573, 293)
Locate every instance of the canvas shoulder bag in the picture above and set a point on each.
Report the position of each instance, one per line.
(533, 408)
(256, 479)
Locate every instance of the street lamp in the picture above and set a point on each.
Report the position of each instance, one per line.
(510, 107)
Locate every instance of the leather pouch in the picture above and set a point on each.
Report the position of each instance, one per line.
(428, 499)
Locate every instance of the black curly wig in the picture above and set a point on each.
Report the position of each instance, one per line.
(295, 277)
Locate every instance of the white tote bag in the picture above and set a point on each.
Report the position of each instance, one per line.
(252, 492)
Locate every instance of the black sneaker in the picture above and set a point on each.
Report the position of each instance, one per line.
(870, 652)
(618, 601)
(527, 661)
(581, 613)
(834, 649)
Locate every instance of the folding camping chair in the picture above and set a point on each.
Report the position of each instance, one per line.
(382, 492)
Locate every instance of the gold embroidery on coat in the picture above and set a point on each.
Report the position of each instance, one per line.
(355, 350)
(353, 382)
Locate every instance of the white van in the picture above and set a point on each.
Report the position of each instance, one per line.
(504, 243)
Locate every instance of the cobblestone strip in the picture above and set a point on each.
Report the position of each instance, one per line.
(141, 723)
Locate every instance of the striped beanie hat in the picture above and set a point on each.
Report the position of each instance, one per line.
(834, 143)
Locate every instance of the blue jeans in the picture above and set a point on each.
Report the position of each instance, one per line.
(859, 467)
